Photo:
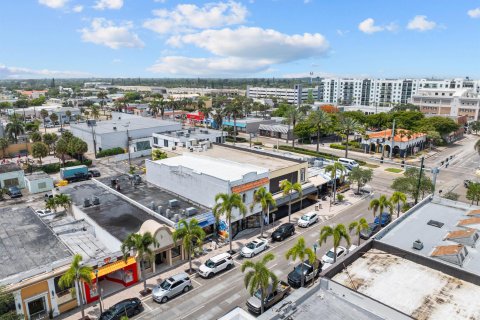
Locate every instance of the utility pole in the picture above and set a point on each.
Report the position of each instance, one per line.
(393, 138)
(92, 124)
(419, 181)
(128, 147)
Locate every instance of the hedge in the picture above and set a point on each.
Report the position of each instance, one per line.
(110, 152)
(342, 147)
(258, 143)
(239, 139)
(55, 167)
(315, 153)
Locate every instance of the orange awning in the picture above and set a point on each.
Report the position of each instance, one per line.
(112, 267)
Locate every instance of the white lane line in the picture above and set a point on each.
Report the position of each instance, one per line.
(193, 311)
(146, 305)
(273, 266)
(199, 284)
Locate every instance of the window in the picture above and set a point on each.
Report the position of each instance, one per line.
(176, 252)
(42, 185)
(10, 182)
(63, 295)
(244, 197)
(302, 174)
(155, 140)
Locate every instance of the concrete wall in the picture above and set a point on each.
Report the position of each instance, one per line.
(14, 149)
(133, 155)
(19, 175)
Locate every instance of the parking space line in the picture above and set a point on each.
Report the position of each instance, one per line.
(192, 312)
(146, 305)
(199, 284)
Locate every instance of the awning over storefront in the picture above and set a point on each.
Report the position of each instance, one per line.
(274, 128)
(318, 180)
(307, 189)
(112, 267)
(204, 219)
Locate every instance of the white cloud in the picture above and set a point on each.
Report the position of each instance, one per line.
(108, 4)
(26, 73)
(342, 33)
(190, 17)
(54, 4)
(368, 26)
(78, 9)
(421, 23)
(474, 13)
(107, 33)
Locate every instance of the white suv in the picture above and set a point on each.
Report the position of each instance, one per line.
(308, 219)
(215, 264)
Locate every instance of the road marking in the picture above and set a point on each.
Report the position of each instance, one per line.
(273, 265)
(146, 305)
(192, 312)
(196, 282)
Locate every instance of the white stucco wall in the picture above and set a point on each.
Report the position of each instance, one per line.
(19, 175)
(33, 186)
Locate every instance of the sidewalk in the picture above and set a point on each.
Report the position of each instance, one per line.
(325, 212)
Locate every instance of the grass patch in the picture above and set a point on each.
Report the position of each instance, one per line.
(394, 170)
(315, 154)
(372, 166)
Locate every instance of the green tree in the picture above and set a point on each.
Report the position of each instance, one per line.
(265, 199)
(346, 127)
(444, 126)
(224, 205)
(44, 115)
(142, 245)
(95, 112)
(303, 131)
(337, 232)
(450, 195)
(408, 183)
(293, 116)
(397, 198)
(39, 150)
(61, 149)
(360, 176)
(192, 236)
(158, 154)
(54, 118)
(77, 275)
(63, 200)
(234, 110)
(77, 146)
(4, 145)
(378, 205)
(260, 277)
(287, 188)
(473, 192)
(333, 169)
(301, 251)
(35, 136)
(321, 121)
(49, 139)
(358, 226)
(7, 306)
(14, 128)
(31, 127)
(51, 204)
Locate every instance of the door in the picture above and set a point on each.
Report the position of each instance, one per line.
(37, 309)
(176, 288)
(220, 265)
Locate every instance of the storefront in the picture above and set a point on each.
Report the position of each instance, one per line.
(111, 273)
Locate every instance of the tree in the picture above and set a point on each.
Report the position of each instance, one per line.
(408, 183)
(378, 205)
(77, 146)
(397, 198)
(287, 189)
(158, 154)
(235, 110)
(348, 126)
(450, 195)
(473, 192)
(320, 120)
(301, 251)
(192, 236)
(54, 118)
(44, 115)
(61, 149)
(303, 131)
(102, 95)
(14, 128)
(51, 204)
(360, 176)
(338, 232)
(333, 169)
(63, 200)
(293, 116)
(32, 127)
(260, 277)
(265, 199)
(142, 245)
(77, 275)
(7, 306)
(444, 126)
(224, 205)
(49, 139)
(358, 226)
(4, 145)
(39, 150)
(95, 112)
(35, 136)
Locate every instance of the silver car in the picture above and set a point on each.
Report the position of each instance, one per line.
(169, 288)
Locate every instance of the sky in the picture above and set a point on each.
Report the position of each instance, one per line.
(239, 38)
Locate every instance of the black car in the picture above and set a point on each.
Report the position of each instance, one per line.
(94, 173)
(127, 307)
(373, 228)
(14, 192)
(466, 183)
(310, 272)
(283, 231)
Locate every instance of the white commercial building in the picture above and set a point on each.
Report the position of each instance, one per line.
(188, 138)
(39, 182)
(11, 175)
(296, 95)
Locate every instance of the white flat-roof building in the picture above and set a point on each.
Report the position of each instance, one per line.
(296, 95)
(188, 138)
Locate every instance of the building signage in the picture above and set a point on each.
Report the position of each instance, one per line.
(106, 261)
(249, 185)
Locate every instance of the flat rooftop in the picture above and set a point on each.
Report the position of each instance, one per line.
(116, 215)
(37, 176)
(194, 133)
(431, 223)
(256, 158)
(414, 289)
(224, 169)
(26, 242)
(9, 167)
(134, 123)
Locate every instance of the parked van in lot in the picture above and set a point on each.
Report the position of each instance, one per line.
(216, 264)
(348, 163)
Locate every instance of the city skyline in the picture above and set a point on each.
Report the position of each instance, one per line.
(244, 39)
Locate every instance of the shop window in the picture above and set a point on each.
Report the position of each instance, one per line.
(37, 309)
(63, 294)
(10, 182)
(176, 252)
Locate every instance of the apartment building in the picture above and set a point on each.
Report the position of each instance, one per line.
(296, 95)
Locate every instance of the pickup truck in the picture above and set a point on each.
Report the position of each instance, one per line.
(310, 271)
(254, 303)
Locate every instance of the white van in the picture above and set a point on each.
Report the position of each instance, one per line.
(348, 163)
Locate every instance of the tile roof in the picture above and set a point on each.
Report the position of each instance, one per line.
(474, 212)
(398, 137)
(446, 250)
(461, 233)
(468, 221)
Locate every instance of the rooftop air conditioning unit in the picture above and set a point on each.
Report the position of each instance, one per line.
(176, 218)
(174, 203)
(191, 211)
(168, 213)
(153, 206)
(86, 203)
(187, 135)
(159, 209)
(417, 244)
(96, 201)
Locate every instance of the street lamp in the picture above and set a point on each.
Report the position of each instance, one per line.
(128, 146)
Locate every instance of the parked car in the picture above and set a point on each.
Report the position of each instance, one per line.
(348, 163)
(466, 183)
(310, 272)
(94, 173)
(48, 125)
(14, 192)
(373, 228)
(43, 212)
(329, 256)
(254, 304)
(127, 307)
(216, 264)
(308, 219)
(254, 247)
(171, 287)
(283, 231)
(383, 219)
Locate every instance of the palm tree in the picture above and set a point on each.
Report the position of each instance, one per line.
(287, 188)
(153, 107)
(63, 200)
(320, 120)
(260, 277)
(172, 104)
(102, 95)
(235, 110)
(39, 150)
(224, 205)
(338, 233)
(265, 199)
(333, 168)
(95, 112)
(293, 116)
(301, 251)
(348, 126)
(15, 127)
(358, 226)
(380, 204)
(77, 275)
(396, 198)
(142, 244)
(4, 145)
(192, 236)
(51, 204)
(44, 115)
(218, 118)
